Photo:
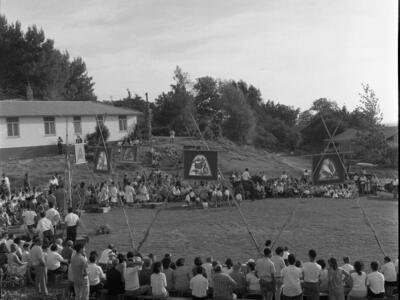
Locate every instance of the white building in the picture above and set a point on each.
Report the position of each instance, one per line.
(38, 124)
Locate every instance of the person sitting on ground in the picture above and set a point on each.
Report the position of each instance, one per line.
(133, 267)
(55, 262)
(145, 272)
(223, 285)
(375, 282)
(158, 282)
(15, 265)
(240, 279)
(335, 280)
(114, 284)
(358, 282)
(388, 269)
(168, 271)
(199, 284)
(181, 278)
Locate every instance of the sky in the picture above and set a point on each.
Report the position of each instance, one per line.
(294, 51)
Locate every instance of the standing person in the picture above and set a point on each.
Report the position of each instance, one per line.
(223, 285)
(129, 193)
(292, 276)
(6, 181)
(312, 273)
(207, 266)
(388, 269)
(375, 282)
(335, 280)
(38, 263)
(199, 285)
(79, 270)
(265, 270)
(279, 264)
(59, 145)
(358, 283)
(395, 184)
(171, 136)
(45, 228)
(53, 215)
(29, 217)
(323, 283)
(72, 221)
(158, 281)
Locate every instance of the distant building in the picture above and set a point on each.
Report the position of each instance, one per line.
(345, 141)
(34, 126)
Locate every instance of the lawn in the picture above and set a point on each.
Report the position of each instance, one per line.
(332, 227)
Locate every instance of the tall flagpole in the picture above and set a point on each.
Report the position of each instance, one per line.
(68, 166)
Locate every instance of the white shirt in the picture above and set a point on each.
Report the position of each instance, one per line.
(311, 271)
(347, 268)
(389, 271)
(104, 258)
(291, 281)
(208, 268)
(359, 282)
(246, 175)
(285, 254)
(29, 217)
(53, 215)
(199, 286)
(376, 282)
(43, 225)
(253, 282)
(132, 278)
(95, 274)
(53, 260)
(158, 284)
(71, 219)
(279, 264)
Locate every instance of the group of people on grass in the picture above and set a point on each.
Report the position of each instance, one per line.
(276, 274)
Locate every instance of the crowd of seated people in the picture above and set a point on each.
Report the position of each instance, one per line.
(111, 273)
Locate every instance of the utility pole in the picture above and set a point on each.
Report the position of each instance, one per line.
(148, 118)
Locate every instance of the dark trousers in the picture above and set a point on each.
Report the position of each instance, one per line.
(48, 234)
(71, 233)
(298, 297)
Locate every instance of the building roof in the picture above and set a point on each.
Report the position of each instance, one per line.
(351, 133)
(24, 108)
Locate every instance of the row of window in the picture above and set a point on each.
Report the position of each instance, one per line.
(50, 125)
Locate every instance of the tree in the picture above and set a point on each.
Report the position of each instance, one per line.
(29, 59)
(101, 132)
(369, 108)
(238, 119)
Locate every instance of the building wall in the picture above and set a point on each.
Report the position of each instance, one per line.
(31, 130)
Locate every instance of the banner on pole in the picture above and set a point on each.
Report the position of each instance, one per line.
(128, 154)
(80, 154)
(328, 169)
(200, 164)
(102, 160)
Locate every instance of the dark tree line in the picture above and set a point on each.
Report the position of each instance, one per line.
(30, 66)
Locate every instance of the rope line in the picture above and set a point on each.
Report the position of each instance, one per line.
(287, 222)
(368, 222)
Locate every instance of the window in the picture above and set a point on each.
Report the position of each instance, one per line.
(77, 125)
(12, 127)
(123, 123)
(49, 126)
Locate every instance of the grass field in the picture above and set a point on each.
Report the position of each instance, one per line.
(332, 227)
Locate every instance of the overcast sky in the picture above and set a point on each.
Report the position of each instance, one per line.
(294, 51)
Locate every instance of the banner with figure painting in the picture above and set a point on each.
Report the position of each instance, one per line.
(128, 154)
(80, 154)
(200, 165)
(102, 160)
(328, 169)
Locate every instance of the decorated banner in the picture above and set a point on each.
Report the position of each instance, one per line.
(102, 160)
(328, 169)
(128, 154)
(80, 154)
(200, 164)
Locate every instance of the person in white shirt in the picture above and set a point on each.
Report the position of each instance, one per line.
(6, 181)
(45, 228)
(347, 266)
(72, 222)
(54, 261)
(29, 217)
(358, 282)
(131, 276)
(286, 255)
(292, 280)
(265, 270)
(199, 285)
(158, 281)
(279, 264)
(96, 275)
(311, 273)
(129, 194)
(105, 256)
(252, 281)
(59, 242)
(375, 282)
(388, 269)
(53, 215)
(246, 175)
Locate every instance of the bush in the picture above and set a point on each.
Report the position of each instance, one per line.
(94, 138)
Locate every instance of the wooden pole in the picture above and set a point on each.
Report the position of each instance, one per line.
(148, 118)
(69, 193)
